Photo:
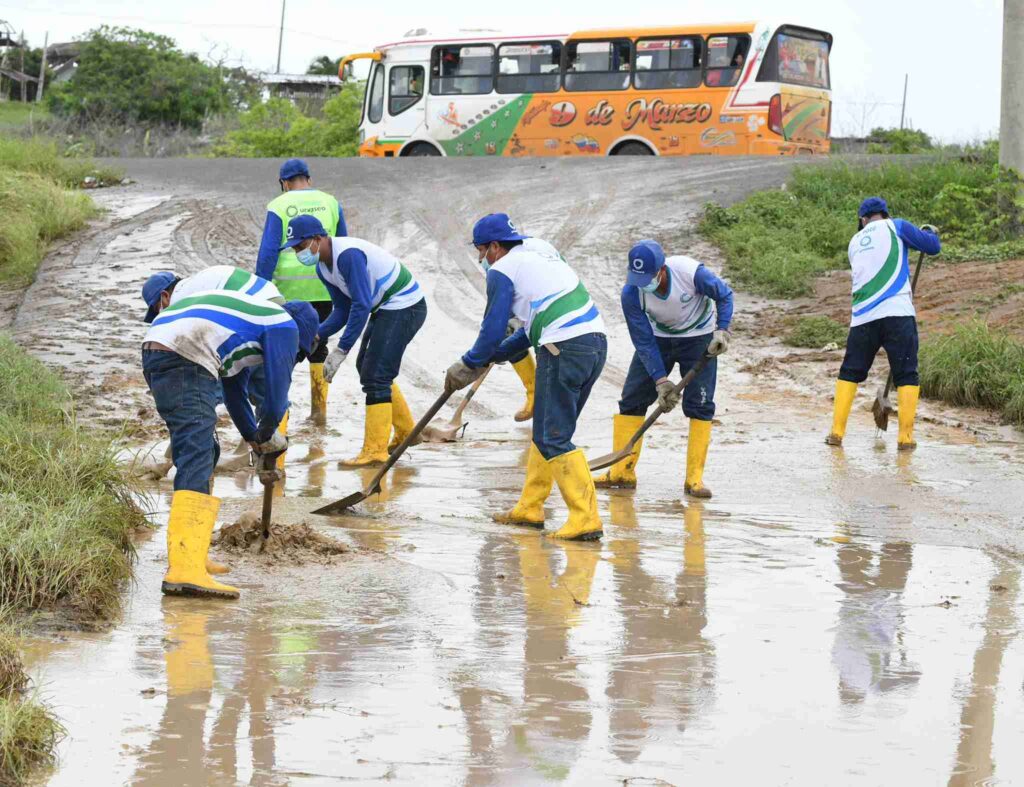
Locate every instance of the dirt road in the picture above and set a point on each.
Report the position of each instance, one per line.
(831, 616)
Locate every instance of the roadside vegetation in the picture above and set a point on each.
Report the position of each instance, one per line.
(776, 242)
(977, 366)
(814, 332)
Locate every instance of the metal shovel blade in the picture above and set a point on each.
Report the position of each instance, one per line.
(346, 502)
(882, 409)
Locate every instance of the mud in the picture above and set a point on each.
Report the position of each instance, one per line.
(830, 616)
(292, 543)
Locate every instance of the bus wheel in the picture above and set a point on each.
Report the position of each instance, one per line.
(632, 149)
(422, 149)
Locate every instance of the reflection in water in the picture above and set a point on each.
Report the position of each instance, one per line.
(666, 671)
(870, 626)
(974, 758)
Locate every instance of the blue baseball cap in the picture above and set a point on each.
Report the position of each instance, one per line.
(292, 168)
(307, 321)
(496, 226)
(871, 206)
(300, 228)
(646, 258)
(152, 289)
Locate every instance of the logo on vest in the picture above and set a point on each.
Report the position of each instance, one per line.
(291, 211)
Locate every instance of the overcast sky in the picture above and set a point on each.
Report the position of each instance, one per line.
(950, 50)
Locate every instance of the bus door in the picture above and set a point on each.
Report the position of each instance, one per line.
(405, 114)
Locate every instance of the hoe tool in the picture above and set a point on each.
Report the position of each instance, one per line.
(617, 456)
(455, 428)
(882, 407)
(266, 465)
(373, 487)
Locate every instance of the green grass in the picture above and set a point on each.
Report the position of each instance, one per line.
(976, 366)
(66, 511)
(776, 242)
(815, 332)
(18, 116)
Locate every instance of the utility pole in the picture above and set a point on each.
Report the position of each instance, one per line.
(42, 69)
(903, 109)
(280, 38)
(1011, 121)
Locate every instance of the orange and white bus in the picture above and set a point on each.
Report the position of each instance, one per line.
(751, 88)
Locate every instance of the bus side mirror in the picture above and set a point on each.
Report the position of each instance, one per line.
(346, 71)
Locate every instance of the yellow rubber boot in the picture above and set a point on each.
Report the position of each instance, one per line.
(188, 540)
(213, 567)
(283, 429)
(527, 371)
(623, 474)
(574, 481)
(845, 392)
(401, 418)
(906, 410)
(318, 388)
(376, 432)
(696, 455)
(529, 510)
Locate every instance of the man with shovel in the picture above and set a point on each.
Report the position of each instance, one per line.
(883, 314)
(565, 329)
(191, 343)
(676, 311)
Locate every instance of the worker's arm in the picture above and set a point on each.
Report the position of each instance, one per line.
(236, 400)
(641, 333)
(270, 246)
(500, 293)
(918, 239)
(709, 285)
(512, 346)
(342, 230)
(340, 305)
(280, 347)
(351, 264)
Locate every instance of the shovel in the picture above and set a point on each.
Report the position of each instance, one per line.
(267, 473)
(455, 428)
(617, 456)
(882, 407)
(373, 487)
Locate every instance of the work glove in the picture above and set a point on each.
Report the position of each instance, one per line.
(275, 445)
(459, 376)
(930, 228)
(334, 361)
(668, 396)
(719, 342)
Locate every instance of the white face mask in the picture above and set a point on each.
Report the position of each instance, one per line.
(307, 256)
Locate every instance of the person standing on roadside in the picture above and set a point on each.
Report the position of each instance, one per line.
(676, 311)
(883, 314)
(194, 346)
(374, 296)
(564, 327)
(296, 281)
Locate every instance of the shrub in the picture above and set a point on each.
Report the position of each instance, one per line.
(898, 140)
(815, 332)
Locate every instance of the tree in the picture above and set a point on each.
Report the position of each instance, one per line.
(130, 75)
(324, 66)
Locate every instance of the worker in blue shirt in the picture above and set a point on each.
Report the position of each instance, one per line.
(295, 281)
(676, 311)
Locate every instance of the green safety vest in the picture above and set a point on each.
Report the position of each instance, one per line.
(298, 282)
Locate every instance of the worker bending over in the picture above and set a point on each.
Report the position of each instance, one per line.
(565, 329)
(296, 281)
(192, 343)
(676, 311)
(373, 295)
(882, 314)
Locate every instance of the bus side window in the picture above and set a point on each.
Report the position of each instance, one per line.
(529, 67)
(406, 88)
(462, 70)
(725, 59)
(668, 63)
(598, 65)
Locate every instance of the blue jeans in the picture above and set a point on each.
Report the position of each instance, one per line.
(186, 398)
(898, 335)
(564, 382)
(639, 392)
(387, 335)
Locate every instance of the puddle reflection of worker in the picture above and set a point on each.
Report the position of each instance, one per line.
(557, 715)
(666, 668)
(869, 630)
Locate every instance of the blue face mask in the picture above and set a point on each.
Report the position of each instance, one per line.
(307, 257)
(652, 286)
